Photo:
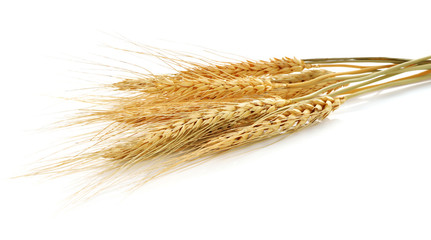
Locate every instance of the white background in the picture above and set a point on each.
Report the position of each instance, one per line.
(363, 173)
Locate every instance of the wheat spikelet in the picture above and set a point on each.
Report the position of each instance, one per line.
(296, 77)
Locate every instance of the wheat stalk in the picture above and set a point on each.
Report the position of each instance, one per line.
(171, 121)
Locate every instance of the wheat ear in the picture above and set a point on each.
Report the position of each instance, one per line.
(166, 137)
(288, 120)
(206, 88)
(225, 71)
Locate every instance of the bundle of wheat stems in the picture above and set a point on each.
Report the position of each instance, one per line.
(163, 123)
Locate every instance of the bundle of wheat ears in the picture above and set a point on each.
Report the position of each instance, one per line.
(160, 123)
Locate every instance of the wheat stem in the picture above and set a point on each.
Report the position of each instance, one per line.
(388, 71)
(328, 76)
(426, 75)
(357, 59)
